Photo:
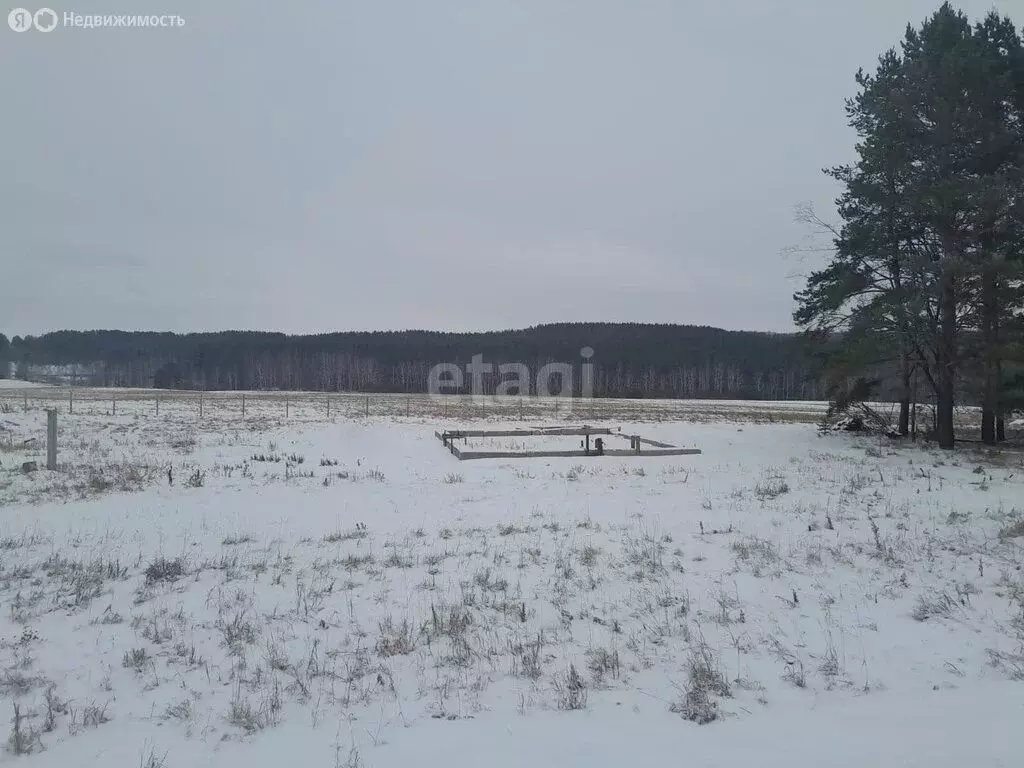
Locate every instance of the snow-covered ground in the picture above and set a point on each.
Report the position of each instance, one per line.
(19, 384)
(344, 592)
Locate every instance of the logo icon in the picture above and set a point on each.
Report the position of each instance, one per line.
(19, 20)
(45, 20)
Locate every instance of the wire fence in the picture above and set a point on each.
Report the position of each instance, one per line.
(218, 408)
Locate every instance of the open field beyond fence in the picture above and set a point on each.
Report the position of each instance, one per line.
(215, 408)
(218, 407)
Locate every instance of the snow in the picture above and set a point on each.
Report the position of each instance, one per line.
(890, 730)
(19, 384)
(861, 601)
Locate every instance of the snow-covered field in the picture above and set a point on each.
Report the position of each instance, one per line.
(17, 384)
(317, 406)
(343, 592)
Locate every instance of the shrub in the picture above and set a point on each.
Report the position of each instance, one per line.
(135, 659)
(1013, 530)
(251, 720)
(588, 556)
(24, 739)
(238, 632)
(931, 605)
(572, 691)
(759, 552)
(602, 662)
(395, 639)
(164, 569)
(771, 488)
(527, 659)
(705, 680)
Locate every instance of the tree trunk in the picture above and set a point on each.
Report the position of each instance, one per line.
(946, 358)
(1000, 409)
(988, 422)
(913, 407)
(990, 357)
(897, 279)
(904, 423)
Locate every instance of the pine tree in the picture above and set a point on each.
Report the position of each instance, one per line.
(870, 294)
(926, 262)
(999, 212)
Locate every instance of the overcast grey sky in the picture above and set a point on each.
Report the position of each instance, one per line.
(473, 164)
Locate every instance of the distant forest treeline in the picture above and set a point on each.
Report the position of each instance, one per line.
(629, 360)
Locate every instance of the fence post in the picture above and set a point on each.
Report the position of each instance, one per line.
(113, 410)
(71, 401)
(367, 405)
(243, 406)
(287, 406)
(158, 405)
(200, 404)
(328, 409)
(408, 403)
(51, 438)
(26, 399)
